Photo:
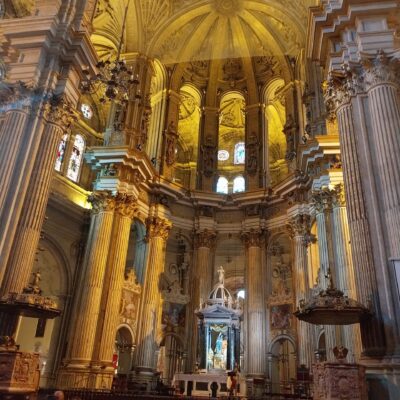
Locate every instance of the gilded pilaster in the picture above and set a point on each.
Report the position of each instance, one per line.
(157, 234)
(255, 298)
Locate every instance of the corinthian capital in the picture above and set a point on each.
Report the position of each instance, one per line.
(380, 70)
(16, 96)
(205, 238)
(126, 205)
(102, 201)
(253, 238)
(58, 111)
(300, 225)
(158, 227)
(323, 199)
(339, 197)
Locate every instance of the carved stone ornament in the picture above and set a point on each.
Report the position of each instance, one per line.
(59, 111)
(205, 238)
(339, 198)
(15, 96)
(158, 227)
(252, 149)
(290, 131)
(209, 153)
(253, 238)
(126, 205)
(131, 283)
(174, 294)
(299, 226)
(171, 139)
(102, 201)
(322, 200)
(380, 70)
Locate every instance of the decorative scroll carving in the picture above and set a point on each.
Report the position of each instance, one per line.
(102, 201)
(380, 70)
(15, 96)
(205, 238)
(126, 205)
(59, 111)
(322, 200)
(339, 198)
(252, 148)
(171, 138)
(290, 130)
(158, 227)
(209, 152)
(253, 238)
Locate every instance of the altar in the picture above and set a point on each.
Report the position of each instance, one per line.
(219, 344)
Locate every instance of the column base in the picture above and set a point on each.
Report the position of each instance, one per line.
(143, 379)
(255, 385)
(85, 376)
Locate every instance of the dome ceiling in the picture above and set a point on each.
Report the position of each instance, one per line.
(189, 30)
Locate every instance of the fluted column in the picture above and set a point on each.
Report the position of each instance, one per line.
(125, 209)
(344, 266)
(338, 99)
(201, 285)
(20, 261)
(382, 83)
(157, 234)
(255, 299)
(299, 229)
(87, 307)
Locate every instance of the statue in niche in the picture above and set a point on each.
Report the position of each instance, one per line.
(208, 151)
(252, 153)
(170, 151)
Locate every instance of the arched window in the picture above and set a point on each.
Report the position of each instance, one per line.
(76, 158)
(222, 185)
(240, 152)
(239, 184)
(61, 152)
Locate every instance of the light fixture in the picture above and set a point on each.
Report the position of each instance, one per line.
(117, 81)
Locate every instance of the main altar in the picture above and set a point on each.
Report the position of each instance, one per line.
(218, 343)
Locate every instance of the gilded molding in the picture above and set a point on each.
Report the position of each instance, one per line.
(205, 238)
(158, 227)
(253, 238)
(102, 201)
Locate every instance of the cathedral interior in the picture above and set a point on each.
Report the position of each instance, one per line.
(192, 187)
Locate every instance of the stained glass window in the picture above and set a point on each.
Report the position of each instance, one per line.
(76, 158)
(61, 153)
(222, 185)
(239, 184)
(239, 156)
(223, 155)
(87, 111)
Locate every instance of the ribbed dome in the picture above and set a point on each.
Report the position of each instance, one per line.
(220, 295)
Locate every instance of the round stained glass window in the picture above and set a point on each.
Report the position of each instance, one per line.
(87, 111)
(223, 155)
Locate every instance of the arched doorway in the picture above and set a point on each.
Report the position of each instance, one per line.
(283, 364)
(124, 349)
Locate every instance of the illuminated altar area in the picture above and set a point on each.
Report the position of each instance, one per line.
(219, 342)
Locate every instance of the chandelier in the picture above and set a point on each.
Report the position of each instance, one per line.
(114, 79)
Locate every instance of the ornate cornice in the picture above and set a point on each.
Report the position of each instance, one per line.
(158, 227)
(205, 238)
(126, 205)
(253, 238)
(102, 201)
(380, 70)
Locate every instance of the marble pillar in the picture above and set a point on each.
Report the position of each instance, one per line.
(150, 318)
(338, 99)
(299, 229)
(76, 370)
(201, 285)
(58, 117)
(125, 209)
(382, 85)
(255, 305)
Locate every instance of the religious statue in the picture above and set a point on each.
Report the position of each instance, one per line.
(221, 275)
(208, 151)
(252, 147)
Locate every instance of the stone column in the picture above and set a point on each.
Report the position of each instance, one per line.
(299, 229)
(201, 285)
(338, 99)
(157, 234)
(344, 267)
(23, 251)
(255, 304)
(125, 209)
(322, 201)
(76, 371)
(382, 84)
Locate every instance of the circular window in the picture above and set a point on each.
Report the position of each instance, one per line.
(223, 155)
(87, 111)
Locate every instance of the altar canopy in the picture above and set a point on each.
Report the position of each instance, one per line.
(219, 329)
